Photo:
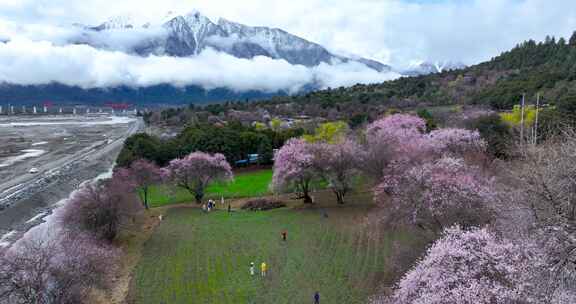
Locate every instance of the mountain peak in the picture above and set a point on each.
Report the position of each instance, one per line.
(225, 23)
(116, 22)
(196, 17)
(189, 34)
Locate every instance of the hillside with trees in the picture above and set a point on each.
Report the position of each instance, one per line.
(547, 68)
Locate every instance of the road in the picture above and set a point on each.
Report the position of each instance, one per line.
(75, 151)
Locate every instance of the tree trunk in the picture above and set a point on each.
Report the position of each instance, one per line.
(307, 198)
(111, 231)
(305, 185)
(146, 198)
(339, 197)
(198, 192)
(198, 197)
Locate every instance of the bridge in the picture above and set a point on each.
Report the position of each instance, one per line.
(49, 108)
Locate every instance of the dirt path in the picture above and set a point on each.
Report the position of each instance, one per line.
(131, 243)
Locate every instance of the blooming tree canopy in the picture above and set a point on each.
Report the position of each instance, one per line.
(394, 139)
(338, 163)
(526, 252)
(294, 167)
(400, 139)
(141, 175)
(456, 141)
(398, 126)
(61, 270)
(197, 170)
(100, 208)
(468, 267)
(443, 192)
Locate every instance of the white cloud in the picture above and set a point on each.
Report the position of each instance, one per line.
(392, 31)
(27, 62)
(395, 32)
(120, 39)
(348, 74)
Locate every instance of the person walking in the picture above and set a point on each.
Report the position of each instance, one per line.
(284, 235)
(264, 268)
(229, 208)
(316, 298)
(252, 269)
(204, 208)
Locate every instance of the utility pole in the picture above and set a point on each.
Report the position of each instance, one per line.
(522, 122)
(536, 121)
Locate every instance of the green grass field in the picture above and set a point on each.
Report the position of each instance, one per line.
(194, 257)
(245, 184)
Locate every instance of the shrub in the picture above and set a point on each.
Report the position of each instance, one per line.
(262, 204)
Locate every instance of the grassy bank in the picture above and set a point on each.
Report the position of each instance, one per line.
(245, 184)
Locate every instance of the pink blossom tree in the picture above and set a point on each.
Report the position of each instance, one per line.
(397, 126)
(100, 208)
(457, 142)
(338, 164)
(394, 139)
(64, 269)
(400, 139)
(471, 266)
(141, 175)
(438, 194)
(294, 167)
(197, 170)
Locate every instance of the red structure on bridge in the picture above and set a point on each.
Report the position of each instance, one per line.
(118, 106)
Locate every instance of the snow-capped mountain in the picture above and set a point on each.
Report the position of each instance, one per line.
(424, 68)
(119, 22)
(188, 35)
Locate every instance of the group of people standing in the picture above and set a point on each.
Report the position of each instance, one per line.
(207, 207)
(264, 268)
(211, 205)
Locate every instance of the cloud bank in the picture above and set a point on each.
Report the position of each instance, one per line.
(27, 62)
(394, 32)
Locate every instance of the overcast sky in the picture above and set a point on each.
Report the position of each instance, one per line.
(392, 31)
(395, 32)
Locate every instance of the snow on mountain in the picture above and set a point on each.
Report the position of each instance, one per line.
(188, 35)
(118, 22)
(448, 66)
(275, 43)
(424, 68)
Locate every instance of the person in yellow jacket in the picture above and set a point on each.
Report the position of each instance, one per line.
(264, 268)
